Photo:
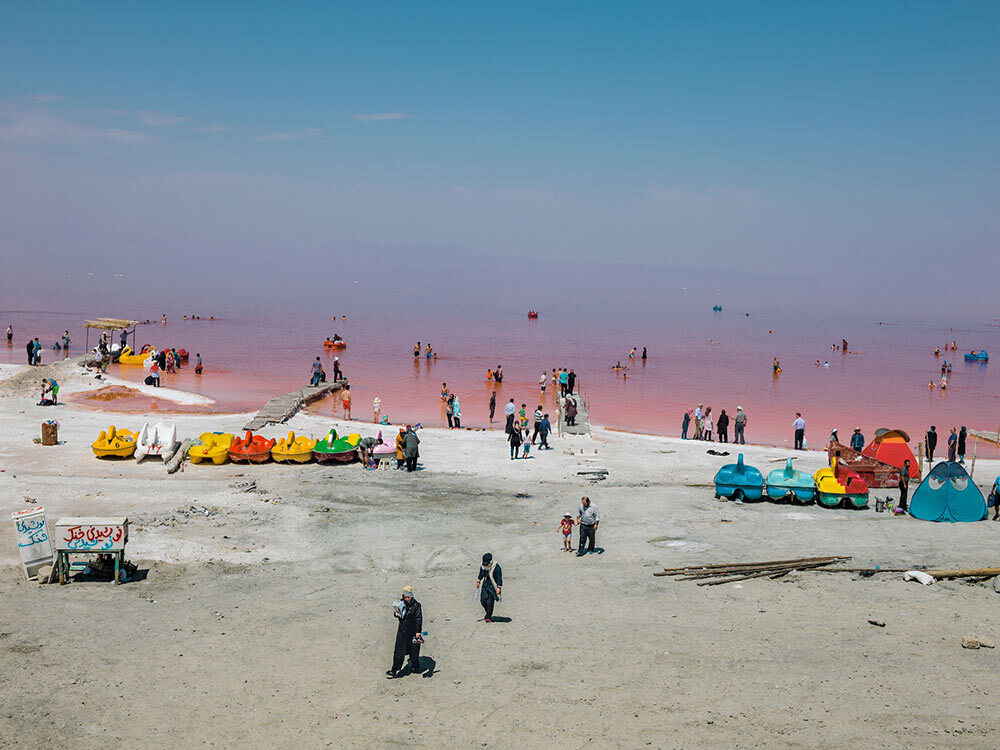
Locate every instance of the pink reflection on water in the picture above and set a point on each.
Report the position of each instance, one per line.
(695, 356)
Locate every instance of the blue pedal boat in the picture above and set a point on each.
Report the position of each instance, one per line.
(790, 485)
(983, 356)
(739, 482)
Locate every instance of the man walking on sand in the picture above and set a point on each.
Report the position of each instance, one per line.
(800, 431)
(589, 518)
(493, 405)
(741, 422)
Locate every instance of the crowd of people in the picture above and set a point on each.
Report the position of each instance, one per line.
(709, 428)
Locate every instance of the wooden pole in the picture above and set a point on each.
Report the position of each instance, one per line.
(975, 450)
(920, 457)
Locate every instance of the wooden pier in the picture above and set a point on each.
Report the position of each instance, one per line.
(282, 408)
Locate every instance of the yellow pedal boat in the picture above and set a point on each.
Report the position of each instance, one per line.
(214, 448)
(115, 443)
(127, 357)
(293, 449)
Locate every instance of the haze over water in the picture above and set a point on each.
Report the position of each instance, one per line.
(695, 356)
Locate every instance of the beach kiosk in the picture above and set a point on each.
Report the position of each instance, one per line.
(90, 535)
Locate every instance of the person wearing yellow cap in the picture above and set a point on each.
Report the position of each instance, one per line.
(409, 633)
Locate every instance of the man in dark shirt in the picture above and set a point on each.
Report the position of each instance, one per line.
(930, 443)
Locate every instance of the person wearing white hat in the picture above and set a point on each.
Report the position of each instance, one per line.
(408, 633)
(740, 420)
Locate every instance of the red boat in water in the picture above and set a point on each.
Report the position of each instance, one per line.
(251, 448)
(533, 314)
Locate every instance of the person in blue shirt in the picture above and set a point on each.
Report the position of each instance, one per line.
(857, 440)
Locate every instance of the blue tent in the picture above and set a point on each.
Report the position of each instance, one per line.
(948, 494)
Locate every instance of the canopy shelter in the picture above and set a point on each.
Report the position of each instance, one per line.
(110, 324)
(948, 494)
(891, 447)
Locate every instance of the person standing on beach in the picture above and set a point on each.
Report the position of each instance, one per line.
(491, 578)
(539, 416)
(345, 401)
(707, 425)
(509, 410)
(457, 411)
(65, 340)
(930, 443)
(857, 440)
(543, 433)
(409, 633)
(30, 348)
(685, 421)
(722, 427)
(377, 410)
(38, 352)
(493, 405)
(563, 381)
(961, 445)
(515, 439)
(317, 368)
(952, 445)
(410, 450)
(589, 518)
(740, 422)
(449, 411)
(904, 485)
(399, 447)
(698, 421)
(800, 431)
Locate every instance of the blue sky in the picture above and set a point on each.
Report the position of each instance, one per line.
(698, 135)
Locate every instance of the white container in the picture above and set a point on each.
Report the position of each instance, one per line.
(33, 541)
(91, 534)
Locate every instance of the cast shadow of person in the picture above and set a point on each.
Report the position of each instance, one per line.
(498, 618)
(427, 667)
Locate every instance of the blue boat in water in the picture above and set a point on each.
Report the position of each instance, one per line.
(790, 485)
(739, 482)
(983, 356)
(717, 308)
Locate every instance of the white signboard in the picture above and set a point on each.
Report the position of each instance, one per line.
(33, 540)
(92, 534)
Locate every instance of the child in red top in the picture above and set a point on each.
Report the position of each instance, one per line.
(566, 526)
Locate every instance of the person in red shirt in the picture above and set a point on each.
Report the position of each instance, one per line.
(566, 526)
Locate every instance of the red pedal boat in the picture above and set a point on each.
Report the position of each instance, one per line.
(251, 448)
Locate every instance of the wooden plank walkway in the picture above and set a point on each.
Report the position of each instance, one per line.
(282, 408)
(582, 426)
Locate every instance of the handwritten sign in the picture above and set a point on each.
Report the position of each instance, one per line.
(33, 540)
(96, 534)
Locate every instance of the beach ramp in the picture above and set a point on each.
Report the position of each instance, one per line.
(282, 408)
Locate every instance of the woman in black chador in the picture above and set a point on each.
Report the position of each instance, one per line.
(491, 578)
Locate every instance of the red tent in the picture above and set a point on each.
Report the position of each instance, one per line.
(892, 447)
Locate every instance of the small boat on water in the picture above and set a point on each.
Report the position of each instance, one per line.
(128, 358)
(341, 449)
(334, 344)
(739, 482)
(159, 440)
(114, 443)
(250, 448)
(533, 314)
(983, 356)
(296, 449)
(214, 448)
(837, 486)
(717, 308)
(790, 485)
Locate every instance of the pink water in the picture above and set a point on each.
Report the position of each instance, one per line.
(695, 356)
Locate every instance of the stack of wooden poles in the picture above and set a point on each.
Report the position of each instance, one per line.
(713, 575)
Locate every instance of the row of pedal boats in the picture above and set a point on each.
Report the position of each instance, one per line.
(833, 486)
(160, 440)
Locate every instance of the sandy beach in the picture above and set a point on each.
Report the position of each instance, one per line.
(262, 615)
